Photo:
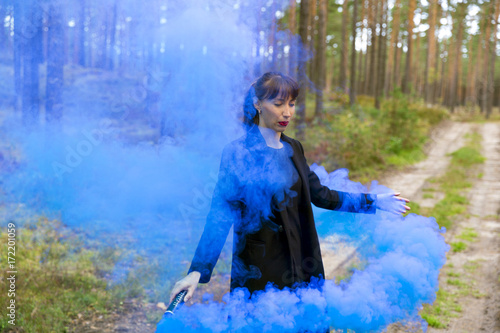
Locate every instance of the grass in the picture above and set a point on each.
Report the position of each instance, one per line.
(428, 196)
(455, 183)
(468, 234)
(59, 279)
(446, 305)
(458, 246)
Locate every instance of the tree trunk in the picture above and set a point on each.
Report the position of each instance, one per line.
(344, 48)
(429, 75)
(486, 58)
(3, 36)
(389, 81)
(459, 16)
(111, 59)
(312, 37)
(352, 90)
(55, 64)
(471, 84)
(370, 52)
(272, 37)
(18, 54)
(321, 57)
(292, 26)
(302, 75)
(360, 59)
(81, 34)
(380, 55)
(491, 72)
(31, 34)
(408, 75)
(375, 51)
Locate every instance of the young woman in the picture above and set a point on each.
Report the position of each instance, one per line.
(265, 190)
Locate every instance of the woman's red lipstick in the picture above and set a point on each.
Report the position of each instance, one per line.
(283, 123)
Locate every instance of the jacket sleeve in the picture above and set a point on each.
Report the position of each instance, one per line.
(323, 197)
(223, 212)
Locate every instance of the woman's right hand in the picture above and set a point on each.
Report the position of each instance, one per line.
(189, 283)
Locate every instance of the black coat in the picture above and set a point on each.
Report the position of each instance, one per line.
(262, 250)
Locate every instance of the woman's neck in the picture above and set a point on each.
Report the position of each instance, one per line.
(271, 136)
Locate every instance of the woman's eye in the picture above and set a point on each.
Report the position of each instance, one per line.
(278, 104)
(292, 105)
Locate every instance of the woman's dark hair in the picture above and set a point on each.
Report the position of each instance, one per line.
(268, 86)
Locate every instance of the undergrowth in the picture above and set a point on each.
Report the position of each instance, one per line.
(61, 278)
(368, 141)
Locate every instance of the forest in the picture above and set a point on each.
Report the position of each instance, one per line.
(114, 113)
(441, 52)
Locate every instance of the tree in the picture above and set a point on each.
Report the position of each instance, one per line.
(81, 34)
(371, 47)
(302, 75)
(485, 61)
(312, 32)
(292, 26)
(455, 63)
(55, 64)
(321, 57)
(373, 54)
(494, 20)
(360, 60)
(429, 74)
(344, 48)
(352, 92)
(408, 75)
(381, 54)
(29, 34)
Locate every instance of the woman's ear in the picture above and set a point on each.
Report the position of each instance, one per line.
(256, 103)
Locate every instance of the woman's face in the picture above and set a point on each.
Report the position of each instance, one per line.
(276, 113)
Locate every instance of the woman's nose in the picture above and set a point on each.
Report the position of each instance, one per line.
(287, 112)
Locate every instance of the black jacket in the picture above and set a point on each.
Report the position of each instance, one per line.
(262, 250)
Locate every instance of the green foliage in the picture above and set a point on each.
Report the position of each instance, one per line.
(468, 234)
(61, 278)
(55, 283)
(433, 321)
(366, 140)
(458, 246)
(467, 156)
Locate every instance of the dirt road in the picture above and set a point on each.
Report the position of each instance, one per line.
(482, 312)
(480, 306)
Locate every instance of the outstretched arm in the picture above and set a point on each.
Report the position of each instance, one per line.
(323, 197)
(223, 212)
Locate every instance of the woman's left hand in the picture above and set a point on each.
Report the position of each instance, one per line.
(392, 202)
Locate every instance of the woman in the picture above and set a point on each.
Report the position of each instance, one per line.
(265, 189)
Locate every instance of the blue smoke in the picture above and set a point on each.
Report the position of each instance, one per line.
(120, 165)
(402, 258)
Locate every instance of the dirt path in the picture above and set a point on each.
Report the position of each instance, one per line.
(481, 314)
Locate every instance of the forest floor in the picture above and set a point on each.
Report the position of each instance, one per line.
(474, 268)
